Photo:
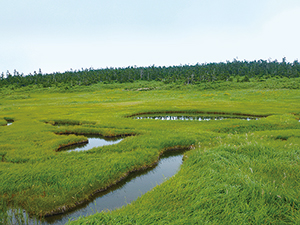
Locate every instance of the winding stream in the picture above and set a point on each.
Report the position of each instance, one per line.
(124, 192)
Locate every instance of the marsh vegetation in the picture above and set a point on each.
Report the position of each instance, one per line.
(237, 171)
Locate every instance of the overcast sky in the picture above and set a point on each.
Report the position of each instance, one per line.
(56, 35)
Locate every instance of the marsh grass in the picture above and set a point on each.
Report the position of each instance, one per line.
(235, 173)
(250, 183)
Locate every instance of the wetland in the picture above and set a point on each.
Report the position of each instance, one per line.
(126, 191)
(241, 168)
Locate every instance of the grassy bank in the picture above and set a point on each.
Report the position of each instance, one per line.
(235, 173)
(248, 183)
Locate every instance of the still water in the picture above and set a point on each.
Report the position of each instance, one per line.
(93, 141)
(124, 192)
(196, 118)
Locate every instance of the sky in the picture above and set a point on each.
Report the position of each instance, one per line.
(59, 35)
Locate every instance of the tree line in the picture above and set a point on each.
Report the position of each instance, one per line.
(187, 74)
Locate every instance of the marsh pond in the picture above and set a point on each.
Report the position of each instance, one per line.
(124, 192)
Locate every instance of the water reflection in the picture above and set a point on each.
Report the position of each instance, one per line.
(126, 191)
(196, 118)
(93, 141)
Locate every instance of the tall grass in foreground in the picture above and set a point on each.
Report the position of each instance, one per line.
(250, 183)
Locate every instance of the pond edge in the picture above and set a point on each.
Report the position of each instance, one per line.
(197, 112)
(85, 141)
(67, 208)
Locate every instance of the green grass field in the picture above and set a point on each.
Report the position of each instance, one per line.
(238, 172)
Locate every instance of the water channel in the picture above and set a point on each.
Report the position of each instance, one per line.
(93, 141)
(124, 192)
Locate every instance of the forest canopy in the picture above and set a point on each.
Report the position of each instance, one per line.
(241, 71)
